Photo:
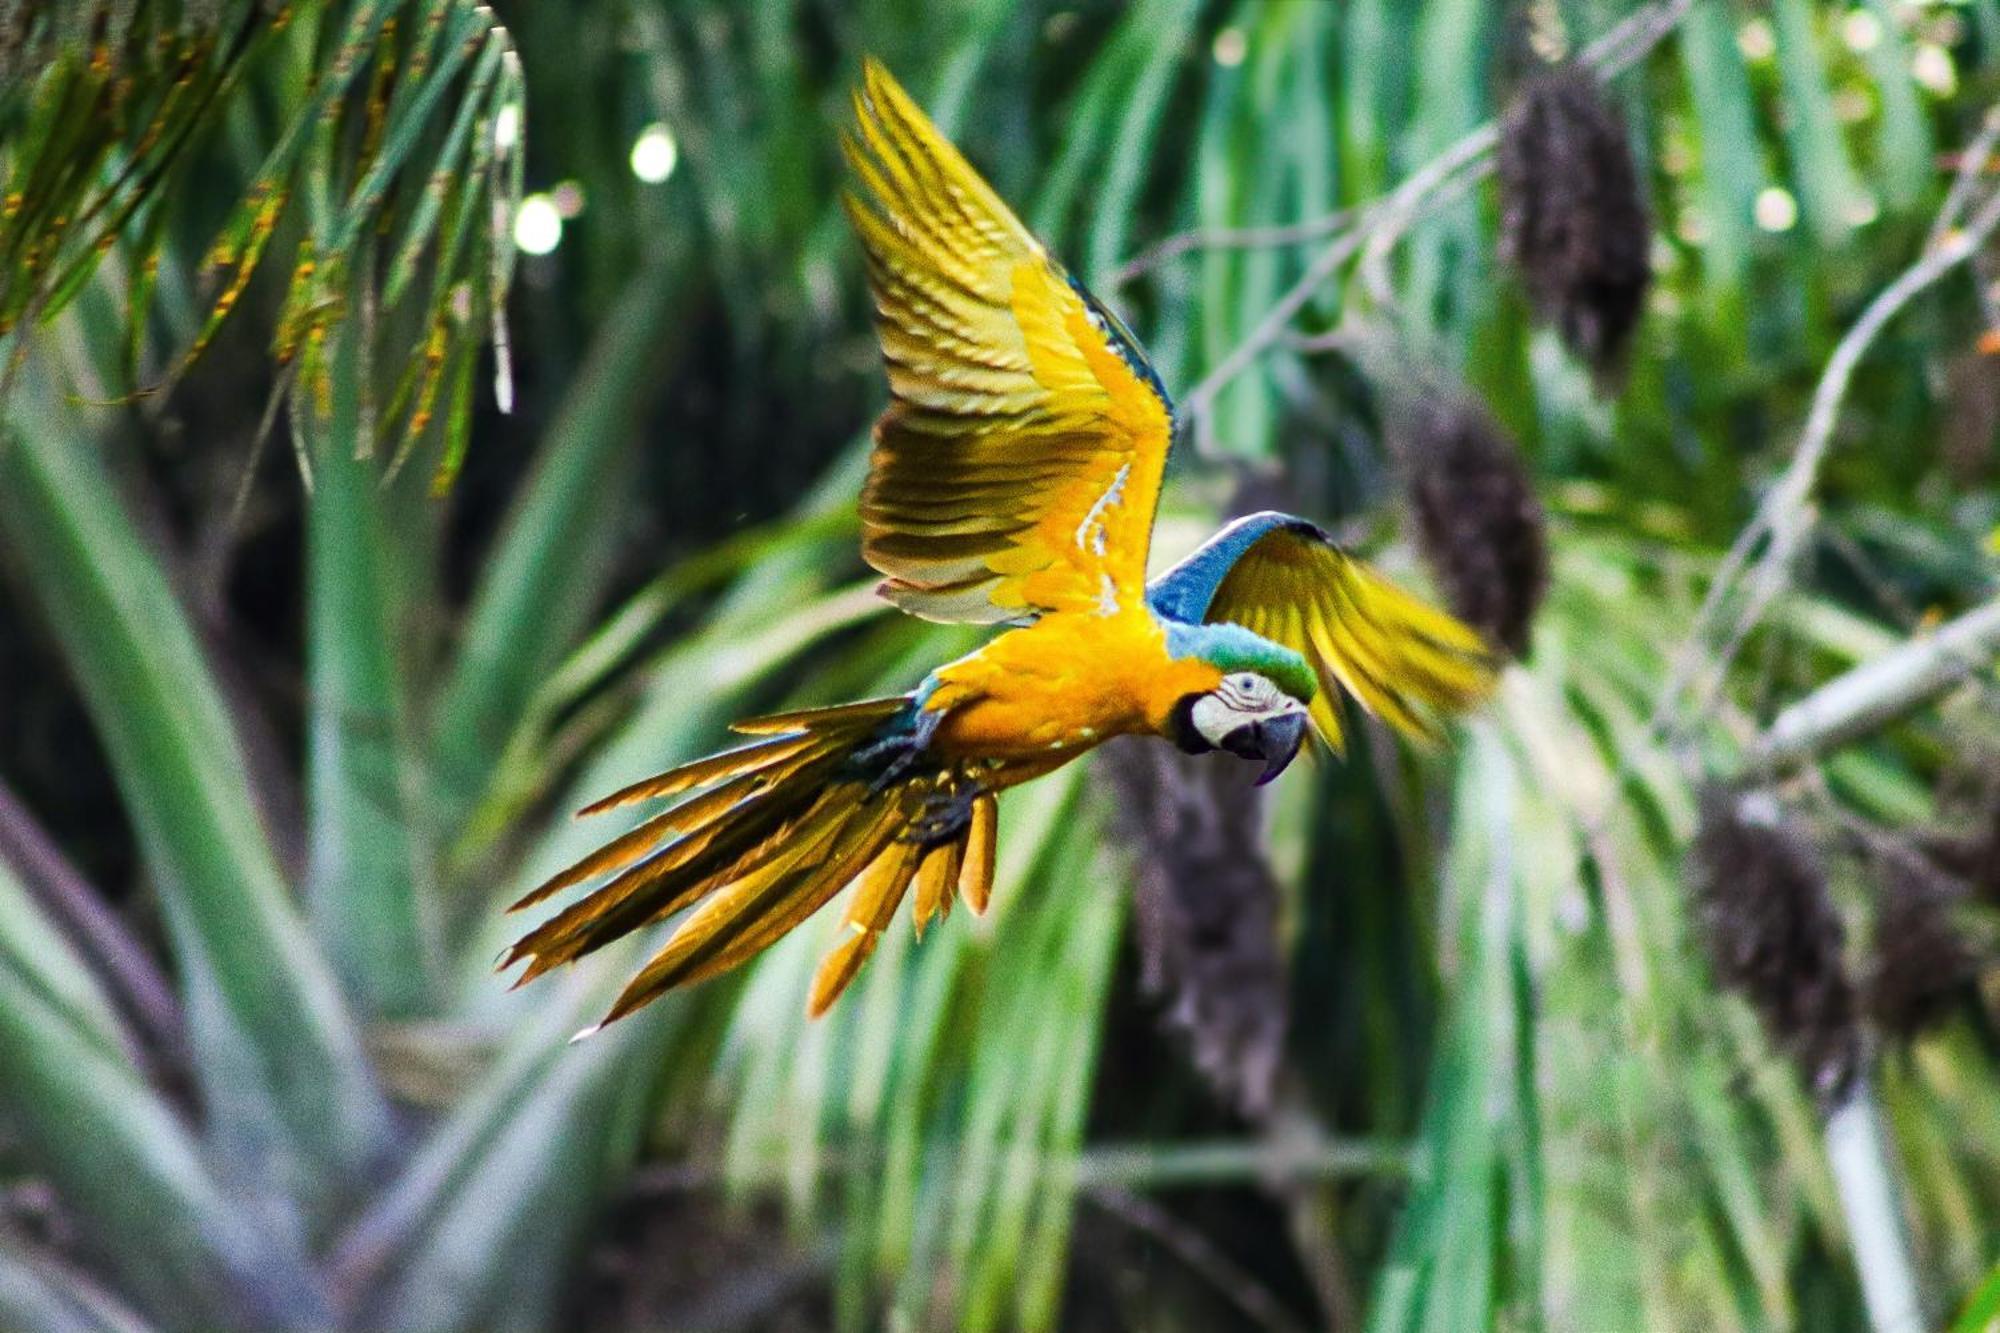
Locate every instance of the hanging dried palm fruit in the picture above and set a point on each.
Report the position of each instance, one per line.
(1773, 935)
(1206, 910)
(1922, 964)
(1573, 221)
(1479, 524)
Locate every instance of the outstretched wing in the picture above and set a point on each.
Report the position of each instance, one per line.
(1018, 465)
(1284, 578)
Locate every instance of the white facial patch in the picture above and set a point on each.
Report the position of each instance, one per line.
(1214, 719)
(1243, 696)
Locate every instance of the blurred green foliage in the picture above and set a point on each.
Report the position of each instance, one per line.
(346, 720)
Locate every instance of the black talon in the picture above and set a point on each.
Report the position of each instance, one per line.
(947, 813)
(906, 747)
(944, 811)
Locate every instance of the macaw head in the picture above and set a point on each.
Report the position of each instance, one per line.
(1257, 710)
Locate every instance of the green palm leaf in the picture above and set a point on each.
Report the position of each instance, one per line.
(288, 1093)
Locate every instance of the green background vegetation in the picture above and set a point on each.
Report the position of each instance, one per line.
(294, 746)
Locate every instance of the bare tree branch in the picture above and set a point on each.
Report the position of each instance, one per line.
(1878, 691)
(1785, 517)
(1972, 164)
(1857, 1150)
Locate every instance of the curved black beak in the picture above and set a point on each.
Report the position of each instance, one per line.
(1275, 740)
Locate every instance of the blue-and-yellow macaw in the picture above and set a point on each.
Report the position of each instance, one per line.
(1014, 480)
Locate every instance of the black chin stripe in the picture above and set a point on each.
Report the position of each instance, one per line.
(1181, 729)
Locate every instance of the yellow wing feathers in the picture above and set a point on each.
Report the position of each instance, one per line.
(1018, 465)
(1402, 659)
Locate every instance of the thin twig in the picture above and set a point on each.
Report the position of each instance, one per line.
(1333, 340)
(1879, 585)
(210, 579)
(1198, 1254)
(1771, 578)
(1398, 207)
(1971, 171)
(1784, 516)
(1272, 326)
(1230, 238)
(1437, 192)
(1133, 1166)
(1952, 250)
(1630, 41)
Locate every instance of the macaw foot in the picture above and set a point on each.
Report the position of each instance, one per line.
(900, 749)
(946, 814)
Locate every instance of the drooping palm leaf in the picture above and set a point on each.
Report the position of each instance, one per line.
(404, 121)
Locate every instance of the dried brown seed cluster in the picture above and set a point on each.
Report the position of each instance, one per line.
(1479, 523)
(1922, 964)
(1573, 220)
(1207, 911)
(1772, 933)
(1972, 853)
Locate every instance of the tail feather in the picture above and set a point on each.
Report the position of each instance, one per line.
(697, 820)
(859, 845)
(873, 906)
(620, 852)
(784, 825)
(975, 872)
(672, 878)
(743, 759)
(718, 830)
(937, 880)
(716, 935)
(864, 713)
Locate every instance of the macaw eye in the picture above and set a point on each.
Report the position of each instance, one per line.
(1249, 689)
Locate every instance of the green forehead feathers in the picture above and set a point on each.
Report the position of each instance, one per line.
(1231, 648)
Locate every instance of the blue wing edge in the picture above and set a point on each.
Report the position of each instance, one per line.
(1182, 594)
